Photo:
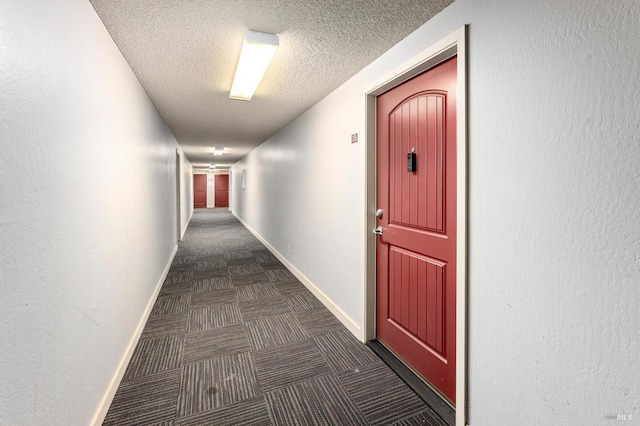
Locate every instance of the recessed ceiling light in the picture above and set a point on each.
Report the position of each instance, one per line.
(218, 151)
(256, 55)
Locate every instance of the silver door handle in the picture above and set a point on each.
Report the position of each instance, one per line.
(378, 230)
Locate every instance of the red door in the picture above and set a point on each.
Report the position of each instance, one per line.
(222, 191)
(416, 252)
(199, 191)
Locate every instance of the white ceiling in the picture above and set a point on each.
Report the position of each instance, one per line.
(184, 52)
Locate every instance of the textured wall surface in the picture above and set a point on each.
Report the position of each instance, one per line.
(87, 210)
(555, 191)
(554, 233)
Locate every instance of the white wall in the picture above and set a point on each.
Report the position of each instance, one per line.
(87, 210)
(554, 241)
(186, 192)
(302, 195)
(211, 190)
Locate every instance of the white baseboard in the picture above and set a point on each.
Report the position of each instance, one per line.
(351, 325)
(186, 225)
(110, 393)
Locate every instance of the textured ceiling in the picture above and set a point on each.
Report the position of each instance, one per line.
(184, 52)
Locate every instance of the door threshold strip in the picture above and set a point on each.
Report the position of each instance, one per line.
(428, 395)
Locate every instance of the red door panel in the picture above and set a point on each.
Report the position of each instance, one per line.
(416, 253)
(222, 191)
(199, 191)
(416, 301)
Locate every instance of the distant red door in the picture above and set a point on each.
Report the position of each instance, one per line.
(416, 253)
(199, 191)
(222, 191)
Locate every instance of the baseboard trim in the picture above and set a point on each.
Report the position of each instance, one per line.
(351, 325)
(110, 393)
(186, 225)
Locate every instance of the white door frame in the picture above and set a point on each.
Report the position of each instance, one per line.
(454, 44)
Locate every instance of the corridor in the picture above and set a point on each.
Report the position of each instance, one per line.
(234, 338)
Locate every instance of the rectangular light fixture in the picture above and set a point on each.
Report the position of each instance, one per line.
(257, 51)
(218, 151)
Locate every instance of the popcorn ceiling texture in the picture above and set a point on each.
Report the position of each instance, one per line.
(185, 54)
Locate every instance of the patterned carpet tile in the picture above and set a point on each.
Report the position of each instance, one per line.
(256, 291)
(319, 321)
(212, 257)
(165, 325)
(302, 301)
(211, 298)
(183, 260)
(210, 284)
(216, 382)
(175, 277)
(249, 413)
(274, 331)
(155, 355)
(210, 317)
(426, 417)
(145, 400)
(344, 352)
(248, 279)
(230, 243)
(255, 309)
(238, 254)
(244, 269)
(215, 343)
(171, 304)
(210, 273)
(175, 289)
(286, 365)
(205, 250)
(235, 339)
(273, 267)
(164, 423)
(182, 266)
(277, 275)
(264, 257)
(320, 401)
(206, 265)
(381, 405)
(186, 249)
(254, 244)
(288, 287)
(232, 262)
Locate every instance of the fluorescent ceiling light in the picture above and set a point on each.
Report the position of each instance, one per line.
(218, 151)
(257, 51)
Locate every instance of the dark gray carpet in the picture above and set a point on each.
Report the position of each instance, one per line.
(235, 339)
